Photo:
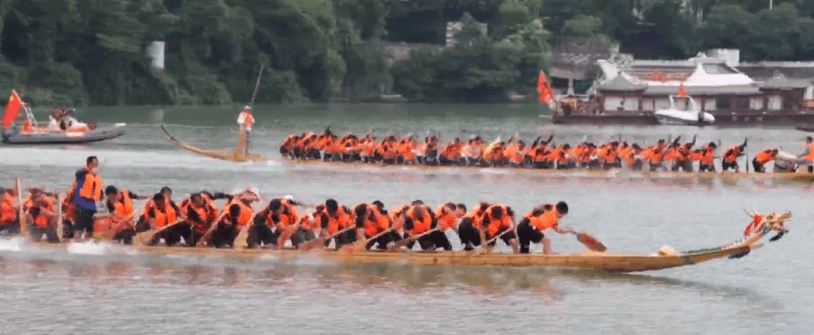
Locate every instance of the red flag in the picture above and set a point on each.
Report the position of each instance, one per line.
(12, 108)
(681, 92)
(546, 95)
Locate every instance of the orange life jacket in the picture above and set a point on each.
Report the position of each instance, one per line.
(422, 220)
(446, 221)
(92, 188)
(41, 220)
(709, 156)
(497, 225)
(544, 222)
(810, 156)
(376, 222)
(731, 155)
(764, 157)
(287, 215)
(8, 214)
(341, 221)
(125, 207)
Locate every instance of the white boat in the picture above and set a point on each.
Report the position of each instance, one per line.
(686, 112)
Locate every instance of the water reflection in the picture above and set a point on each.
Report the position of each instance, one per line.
(535, 284)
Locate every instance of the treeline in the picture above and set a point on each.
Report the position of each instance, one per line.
(78, 52)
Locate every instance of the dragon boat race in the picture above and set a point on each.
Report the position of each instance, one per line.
(406, 167)
(358, 240)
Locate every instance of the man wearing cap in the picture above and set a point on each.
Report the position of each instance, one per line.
(808, 155)
(245, 120)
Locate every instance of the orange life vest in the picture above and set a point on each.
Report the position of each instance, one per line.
(287, 217)
(42, 220)
(125, 207)
(764, 157)
(446, 221)
(810, 156)
(335, 224)
(544, 222)
(422, 220)
(497, 225)
(92, 187)
(8, 214)
(376, 222)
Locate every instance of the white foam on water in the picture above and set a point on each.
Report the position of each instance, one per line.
(88, 248)
(123, 158)
(12, 244)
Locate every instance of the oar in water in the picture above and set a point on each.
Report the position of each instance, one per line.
(20, 209)
(493, 239)
(404, 242)
(149, 235)
(321, 240)
(243, 235)
(588, 240)
(361, 244)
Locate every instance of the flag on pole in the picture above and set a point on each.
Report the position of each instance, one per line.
(12, 108)
(546, 94)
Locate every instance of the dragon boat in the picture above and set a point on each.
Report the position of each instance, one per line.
(665, 258)
(573, 173)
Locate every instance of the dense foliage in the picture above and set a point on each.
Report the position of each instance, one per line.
(76, 52)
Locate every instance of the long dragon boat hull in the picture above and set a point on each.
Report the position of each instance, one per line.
(614, 173)
(599, 262)
(216, 154)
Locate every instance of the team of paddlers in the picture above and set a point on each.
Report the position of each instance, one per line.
(541, 154)
(199, 221)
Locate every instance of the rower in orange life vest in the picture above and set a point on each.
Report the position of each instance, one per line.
(196, 214)
(730, 158)
(9, 221)
(222, 233)
(120, 205)
(763, 158)
(173, 210)
(536, 222)
(498, 220)
(281, 216)
(419, 219)
(371, 221)
(469, 230)
(161, 215)
(41, 217)
(808, 154)
(447, 215)
(707, 159)
(333, 219)
(245, 120)
(87, 191)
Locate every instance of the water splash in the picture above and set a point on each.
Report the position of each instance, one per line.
(12, 244)
(89, 248)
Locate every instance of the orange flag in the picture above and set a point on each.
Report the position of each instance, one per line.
(546, 95)
(12, 108)
(681, 92)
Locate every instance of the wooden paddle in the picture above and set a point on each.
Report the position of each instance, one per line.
(243, 235)
(403, 242)
(361, 244)
(321, 240)
(148, 235)
(588, 240)
(59, 218)
(23, 228)
(493, 239)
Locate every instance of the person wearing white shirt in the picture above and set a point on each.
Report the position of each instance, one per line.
(245, 120)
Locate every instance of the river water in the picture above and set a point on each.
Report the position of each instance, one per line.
(89, 290)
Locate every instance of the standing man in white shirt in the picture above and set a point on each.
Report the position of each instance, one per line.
(245, 120)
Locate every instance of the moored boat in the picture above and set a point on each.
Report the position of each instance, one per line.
(683, 111)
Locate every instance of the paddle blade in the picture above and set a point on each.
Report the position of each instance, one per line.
(591, 242)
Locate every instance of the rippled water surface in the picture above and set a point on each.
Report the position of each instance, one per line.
(103, 290)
